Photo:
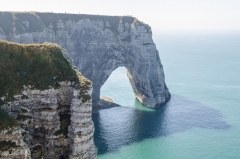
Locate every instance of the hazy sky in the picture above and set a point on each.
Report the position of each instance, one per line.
(161, 15)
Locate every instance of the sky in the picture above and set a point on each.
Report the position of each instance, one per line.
(161, 15)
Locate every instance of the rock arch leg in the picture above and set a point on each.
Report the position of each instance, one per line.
(149, 88)
(96, 94)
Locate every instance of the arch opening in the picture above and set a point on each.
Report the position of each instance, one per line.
(118, 88)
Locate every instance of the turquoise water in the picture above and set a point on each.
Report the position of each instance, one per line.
(202, 119)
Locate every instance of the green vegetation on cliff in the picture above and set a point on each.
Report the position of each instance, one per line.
(35, 66)
(6, 121)
(39, 66)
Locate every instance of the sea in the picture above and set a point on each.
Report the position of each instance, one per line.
(202, 119)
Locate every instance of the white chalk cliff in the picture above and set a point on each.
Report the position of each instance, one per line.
(54, 123)
(45, 105)
(98, 45)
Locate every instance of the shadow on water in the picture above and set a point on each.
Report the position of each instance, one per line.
(119, 126)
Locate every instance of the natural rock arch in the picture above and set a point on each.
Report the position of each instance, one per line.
(100, 52)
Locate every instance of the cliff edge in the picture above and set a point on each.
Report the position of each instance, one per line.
(98, 45)
(45, 104)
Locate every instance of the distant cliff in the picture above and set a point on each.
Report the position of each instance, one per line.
(98, 45)
(45, 105)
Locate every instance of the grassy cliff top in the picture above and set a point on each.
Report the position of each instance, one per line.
(39, 66)
(15, 22)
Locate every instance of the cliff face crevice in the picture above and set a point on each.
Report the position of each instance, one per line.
(54, 123)
(97, 46)
(51, 119)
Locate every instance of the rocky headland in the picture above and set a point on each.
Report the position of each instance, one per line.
(98, 45)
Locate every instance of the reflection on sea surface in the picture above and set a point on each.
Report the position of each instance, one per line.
(119, 126)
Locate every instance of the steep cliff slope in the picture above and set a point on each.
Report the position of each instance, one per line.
(97, 45)
(45, 105)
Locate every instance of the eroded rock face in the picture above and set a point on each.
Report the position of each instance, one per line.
(100, 44)
(54, 123)
(12, 145)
